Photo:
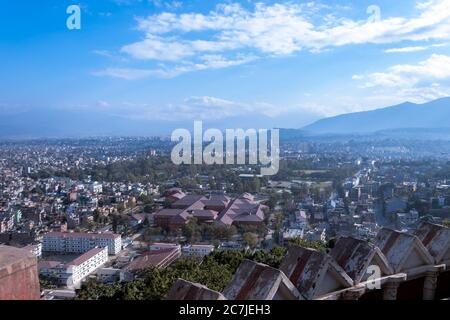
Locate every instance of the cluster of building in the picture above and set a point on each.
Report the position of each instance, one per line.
(227, 211)
(93, 247)
(381, 193)
(68, 223)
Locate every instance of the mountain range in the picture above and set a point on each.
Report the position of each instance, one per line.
(406, 116)
(431, 119)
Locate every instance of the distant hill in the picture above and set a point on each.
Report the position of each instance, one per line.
(44, 122)
(61, 123)
(410, 116)
(430, 120)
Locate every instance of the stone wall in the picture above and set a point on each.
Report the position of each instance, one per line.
(19, 279)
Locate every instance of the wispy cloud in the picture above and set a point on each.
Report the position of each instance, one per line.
(406, 49)
(124, 73)
(205, 62)
(195, 108)
(102, 104)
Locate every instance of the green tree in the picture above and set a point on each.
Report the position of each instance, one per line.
(121, 208)
(250, 239)
(47, 283)
(318, 245)
(192, 231)
(94, 290)
(96, 215)
(148, 208)
(273, 200)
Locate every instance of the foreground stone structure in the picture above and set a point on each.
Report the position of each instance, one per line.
(314, 273)
(186, 290)
(19, 278)
(411, 267)
(257, 281)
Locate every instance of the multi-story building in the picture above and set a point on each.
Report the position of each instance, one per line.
(243, 210)
(79, 242)
(72, 273)
(96, 187)
(199, 250)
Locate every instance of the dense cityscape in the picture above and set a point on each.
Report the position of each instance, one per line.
(112, 218)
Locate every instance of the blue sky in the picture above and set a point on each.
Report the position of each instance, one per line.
(285, 63)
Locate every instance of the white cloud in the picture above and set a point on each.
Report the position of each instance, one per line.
(184, 40)
(406, 49)
(125, 73)
(206, 107)
(156, 48)
(413, 82)
(436, 67)
(205, 62)
(267, 30)
(285, 28)
(102, 104)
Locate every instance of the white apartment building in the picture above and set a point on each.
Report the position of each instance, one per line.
(96, 187)
(79, 242)
(72, 273)
(199, 250)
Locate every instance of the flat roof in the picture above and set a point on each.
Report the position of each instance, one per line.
(82, 235)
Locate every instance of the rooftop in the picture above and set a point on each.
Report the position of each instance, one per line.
(86, 256)
(82, 235)
(186, 290)
(256, 281)
(435, 238)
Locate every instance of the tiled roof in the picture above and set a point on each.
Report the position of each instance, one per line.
(242, 210)
(186, 290)
(307, 268)
(188, 200)
(435, 238)
(204, 213)
(168, 212)
(354, 256)
(256, 281)
(396, 246)
(156, 258)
